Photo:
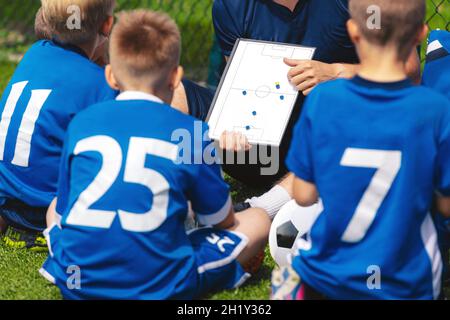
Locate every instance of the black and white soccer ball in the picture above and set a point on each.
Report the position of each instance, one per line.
(290, 231)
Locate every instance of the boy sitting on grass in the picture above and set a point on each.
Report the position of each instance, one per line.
(54, 81)
(376, 160)
(124, 192)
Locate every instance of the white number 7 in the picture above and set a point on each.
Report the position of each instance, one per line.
(388, 164)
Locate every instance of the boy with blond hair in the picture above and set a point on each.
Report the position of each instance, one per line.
(54, 81)
(125, 185)
(376, 159)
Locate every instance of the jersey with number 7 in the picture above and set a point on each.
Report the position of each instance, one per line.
(49, 87)
(377, 153)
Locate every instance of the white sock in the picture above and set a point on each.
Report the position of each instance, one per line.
(271, 201)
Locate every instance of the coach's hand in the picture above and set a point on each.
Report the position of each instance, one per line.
(234, 141)
(306, 74)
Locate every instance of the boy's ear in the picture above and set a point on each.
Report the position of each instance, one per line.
(107, 26)
(423, 33)
(353, 31)
(110, 78)
(177, 76)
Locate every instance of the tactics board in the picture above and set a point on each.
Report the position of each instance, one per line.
(255, 96)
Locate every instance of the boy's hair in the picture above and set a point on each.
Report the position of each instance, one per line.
(401, 21)
(145, 47)
(59, 17)
(41, 30)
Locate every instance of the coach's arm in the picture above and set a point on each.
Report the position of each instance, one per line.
(305, 75)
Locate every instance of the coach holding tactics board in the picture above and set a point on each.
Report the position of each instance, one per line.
(314, 23)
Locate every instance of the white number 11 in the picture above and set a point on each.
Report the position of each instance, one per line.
(27, 125)
(388, 164)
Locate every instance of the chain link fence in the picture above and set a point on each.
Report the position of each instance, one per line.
(193, 17)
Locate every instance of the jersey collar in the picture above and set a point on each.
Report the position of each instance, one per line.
(70, 48)
(137, 95)
(397, 85)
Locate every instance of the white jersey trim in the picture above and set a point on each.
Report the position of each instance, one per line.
(433, 46)
(47, 275)
(430, 241)
(225, 261)
(215, 218)
(138, 95)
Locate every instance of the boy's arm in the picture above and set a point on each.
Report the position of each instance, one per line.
(305, 193)
(208, 193)
(229, 221)
(51, 213)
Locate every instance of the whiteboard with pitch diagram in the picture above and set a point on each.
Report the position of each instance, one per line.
(255, 96)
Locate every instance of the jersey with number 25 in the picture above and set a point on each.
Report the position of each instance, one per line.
(49, 87)
(129, 169)
(377, 153)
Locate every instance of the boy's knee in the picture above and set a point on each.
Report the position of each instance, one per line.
(258, 220)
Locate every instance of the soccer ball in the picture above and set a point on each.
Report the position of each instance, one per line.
(290, 229)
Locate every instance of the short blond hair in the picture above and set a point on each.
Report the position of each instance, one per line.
(56, 15)
(145, 47)
(401, 21)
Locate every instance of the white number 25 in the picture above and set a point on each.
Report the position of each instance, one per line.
(388, 164)
(135, 172)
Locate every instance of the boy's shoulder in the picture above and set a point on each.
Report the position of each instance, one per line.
(142, 111)
(341, 92)
(48, 53)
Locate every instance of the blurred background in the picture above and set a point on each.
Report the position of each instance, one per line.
(201, 56)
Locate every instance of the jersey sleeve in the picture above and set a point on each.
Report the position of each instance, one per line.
(226, 25)
(209, 193)
(443, 158)
(299, 159)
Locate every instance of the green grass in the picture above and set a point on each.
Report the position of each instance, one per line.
(20, 279)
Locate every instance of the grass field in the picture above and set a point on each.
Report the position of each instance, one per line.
(19, 277)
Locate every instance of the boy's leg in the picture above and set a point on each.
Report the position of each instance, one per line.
(255, 225)
(225, 257)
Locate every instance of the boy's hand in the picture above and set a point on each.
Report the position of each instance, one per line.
(305, 75)
(234, 141)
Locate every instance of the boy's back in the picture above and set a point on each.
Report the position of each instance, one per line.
(376, 152)
(51, 84)
(135, 224)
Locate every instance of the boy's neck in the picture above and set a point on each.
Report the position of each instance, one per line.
(290, 4)
(381, 65)
(164, 97)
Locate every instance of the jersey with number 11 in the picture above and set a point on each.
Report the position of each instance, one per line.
(49, 87)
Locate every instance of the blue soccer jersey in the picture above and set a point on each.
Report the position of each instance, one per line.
(51, 84)
(128, 171)
(436, 74)
(377, 152)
